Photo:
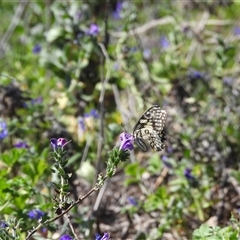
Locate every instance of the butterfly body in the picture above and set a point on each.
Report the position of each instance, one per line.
(149, 129)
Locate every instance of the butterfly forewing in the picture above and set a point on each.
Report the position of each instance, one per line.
(149, 129)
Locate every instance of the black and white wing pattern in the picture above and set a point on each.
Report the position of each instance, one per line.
(149, 129)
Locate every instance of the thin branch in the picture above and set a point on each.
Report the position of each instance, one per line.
(100, 195)
(101, 99)
(144, 28)
(71, 226)
(80, 199)
(12, 26)
(104, 51)
(164, 21)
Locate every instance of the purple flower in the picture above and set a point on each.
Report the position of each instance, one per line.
(93, 30)
(134, 49)
(3, 225)
(37, 100)
(79, 15)
(164, 42)
(65, 237)
(147, 53)
(43, 230)
(81, 124)
(21, 145)
(227, 81)
(93, 113)
(36, 214)
(165, 161)
(58, 143)
(127, 141)
(116, 66)
(3, 130)
(236, 30)
(105, 236)
(195, 74)
(188, 174)
(132, 201)
(37, 49)
(117, 13)
(169, 150)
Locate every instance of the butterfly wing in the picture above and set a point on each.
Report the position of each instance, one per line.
(149, 129)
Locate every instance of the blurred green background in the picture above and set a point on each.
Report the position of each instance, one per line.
(78, 69)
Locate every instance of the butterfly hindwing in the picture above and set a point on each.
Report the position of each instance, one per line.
(149, 129)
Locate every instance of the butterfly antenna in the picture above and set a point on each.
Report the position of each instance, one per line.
(123, 127)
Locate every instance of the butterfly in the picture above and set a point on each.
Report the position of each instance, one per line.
(149, 129)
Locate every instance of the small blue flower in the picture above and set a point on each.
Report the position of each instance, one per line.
(188, 174)
(134, 49)
(93, 30)
(165, 161)
(236, 30)
(228, 81)
(147, 53)
(37, 49)
(105, 236)
(164, 42)
(37, 100)
(43, 230)
(117, 13)
(97, 237)
(93, 113)
(81, 124)
(65, 237)
(3, 225)
(116, 66)
(79, 15)
(83, 121)
(127, 141)
(238, 210)
(132, 201)
(169, 150)
(194, 74)
(21, 145)
(3, 130)
(36, 214)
